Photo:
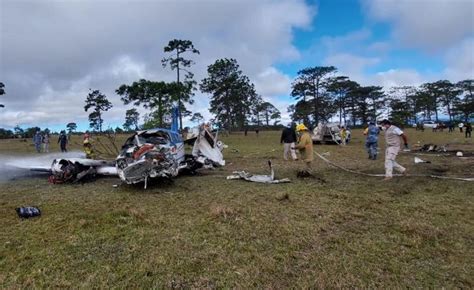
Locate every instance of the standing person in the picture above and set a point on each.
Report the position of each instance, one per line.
(392, 144)
(371, 141)
(62, 140)
(343, 134)
(468, 130)
(46, 142)
(257, 131)
(288, 139)
(86, 135)
(246, 131)
(88, 149)
(451, 126)
(38, 140)
(305, 147)
(461, 125)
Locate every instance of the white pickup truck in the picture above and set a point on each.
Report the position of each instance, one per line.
(430, 125)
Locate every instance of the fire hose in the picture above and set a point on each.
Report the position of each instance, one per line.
(382, 175)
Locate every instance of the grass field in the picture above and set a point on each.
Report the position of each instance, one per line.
(337, 230)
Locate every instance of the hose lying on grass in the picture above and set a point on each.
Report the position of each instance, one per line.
(382, 175)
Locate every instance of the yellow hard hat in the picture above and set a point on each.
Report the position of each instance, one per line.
(301, 127)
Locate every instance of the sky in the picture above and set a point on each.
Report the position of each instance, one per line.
(53, 52)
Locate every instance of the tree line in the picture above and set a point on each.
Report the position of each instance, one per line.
(319, 95)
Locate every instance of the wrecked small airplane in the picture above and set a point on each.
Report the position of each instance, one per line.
(160, 153)
(154, 153)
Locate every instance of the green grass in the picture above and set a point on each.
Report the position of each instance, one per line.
(206, 231)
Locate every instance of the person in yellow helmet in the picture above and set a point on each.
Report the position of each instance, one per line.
(88, 149)
(305, 146)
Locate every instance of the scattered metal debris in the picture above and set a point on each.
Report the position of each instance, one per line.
(419, 160)
(269, 179)
(431, 148)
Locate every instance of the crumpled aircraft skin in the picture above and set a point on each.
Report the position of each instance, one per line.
(269, 179)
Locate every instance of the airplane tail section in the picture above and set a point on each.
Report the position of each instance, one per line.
(174, 119)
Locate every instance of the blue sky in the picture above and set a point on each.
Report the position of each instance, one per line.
(51, 53)
(340, 18)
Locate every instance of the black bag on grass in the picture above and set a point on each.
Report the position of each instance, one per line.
(28, 212)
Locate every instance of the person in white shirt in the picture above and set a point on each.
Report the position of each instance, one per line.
(393, 134)
(461, 125)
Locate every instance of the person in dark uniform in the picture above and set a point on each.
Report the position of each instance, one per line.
(62, 140)
(288, 139)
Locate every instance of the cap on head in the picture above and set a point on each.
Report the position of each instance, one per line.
(385, 122)
(301, 127)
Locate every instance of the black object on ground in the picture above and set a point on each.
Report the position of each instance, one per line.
(28, 212)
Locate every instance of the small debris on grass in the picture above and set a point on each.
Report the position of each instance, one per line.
(222, 211)
(303, 174)
(307, 174)
(28, 212)
(419, 160)
(284, 197)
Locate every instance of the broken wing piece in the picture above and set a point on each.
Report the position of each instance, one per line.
(269, 179)
(76, 169)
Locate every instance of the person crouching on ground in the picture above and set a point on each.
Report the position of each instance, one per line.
(305, 147)
(392, 143)
(288, 139)
(371, 141)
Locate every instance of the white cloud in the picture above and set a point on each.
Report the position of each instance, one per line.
(52, 52)
(271, 83)
(431, 25)
(397, 77)
(460, 61)
(351, 65)
(343, 42)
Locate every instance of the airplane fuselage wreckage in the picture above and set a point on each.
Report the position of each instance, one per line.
(160, 153)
